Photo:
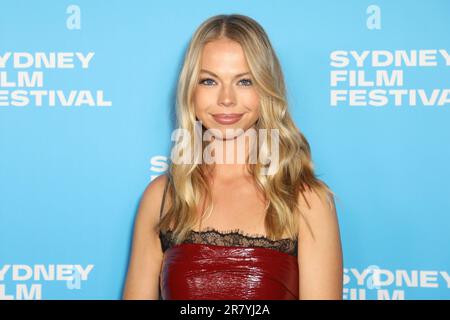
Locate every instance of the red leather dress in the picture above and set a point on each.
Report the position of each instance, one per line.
(212, 265)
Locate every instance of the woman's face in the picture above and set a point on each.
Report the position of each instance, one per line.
(225, 95)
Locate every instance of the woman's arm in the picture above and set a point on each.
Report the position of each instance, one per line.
(319, 254)
(146, 256)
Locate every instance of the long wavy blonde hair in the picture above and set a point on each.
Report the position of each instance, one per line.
(188, 182)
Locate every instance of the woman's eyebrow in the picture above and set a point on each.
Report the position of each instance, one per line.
(215, 75)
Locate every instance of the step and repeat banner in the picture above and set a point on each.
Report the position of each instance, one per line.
(86, 114)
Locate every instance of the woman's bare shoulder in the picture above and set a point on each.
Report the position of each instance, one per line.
(151, 199)
(156, 186)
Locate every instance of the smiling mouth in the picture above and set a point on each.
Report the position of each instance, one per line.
(227, 118)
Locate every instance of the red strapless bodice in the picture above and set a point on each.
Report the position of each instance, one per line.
(201, 271)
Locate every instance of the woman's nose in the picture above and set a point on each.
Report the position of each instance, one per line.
(226, 97)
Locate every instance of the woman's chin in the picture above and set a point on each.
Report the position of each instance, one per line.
(228, 133)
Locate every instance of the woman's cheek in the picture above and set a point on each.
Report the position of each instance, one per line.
(253, 101)
(203, 98)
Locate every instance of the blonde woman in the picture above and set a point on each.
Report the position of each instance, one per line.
(234, 230)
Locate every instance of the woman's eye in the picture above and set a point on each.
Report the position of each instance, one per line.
(247, 82)
(206, 81)
(209, 81)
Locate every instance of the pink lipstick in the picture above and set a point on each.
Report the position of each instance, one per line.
(227, 118)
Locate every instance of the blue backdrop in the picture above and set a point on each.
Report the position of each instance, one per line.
(72, 172)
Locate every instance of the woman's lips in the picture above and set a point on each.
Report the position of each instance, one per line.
(227, 118)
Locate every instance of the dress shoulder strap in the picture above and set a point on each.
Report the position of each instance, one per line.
(164, 197)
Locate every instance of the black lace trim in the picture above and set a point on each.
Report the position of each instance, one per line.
(231, 238)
